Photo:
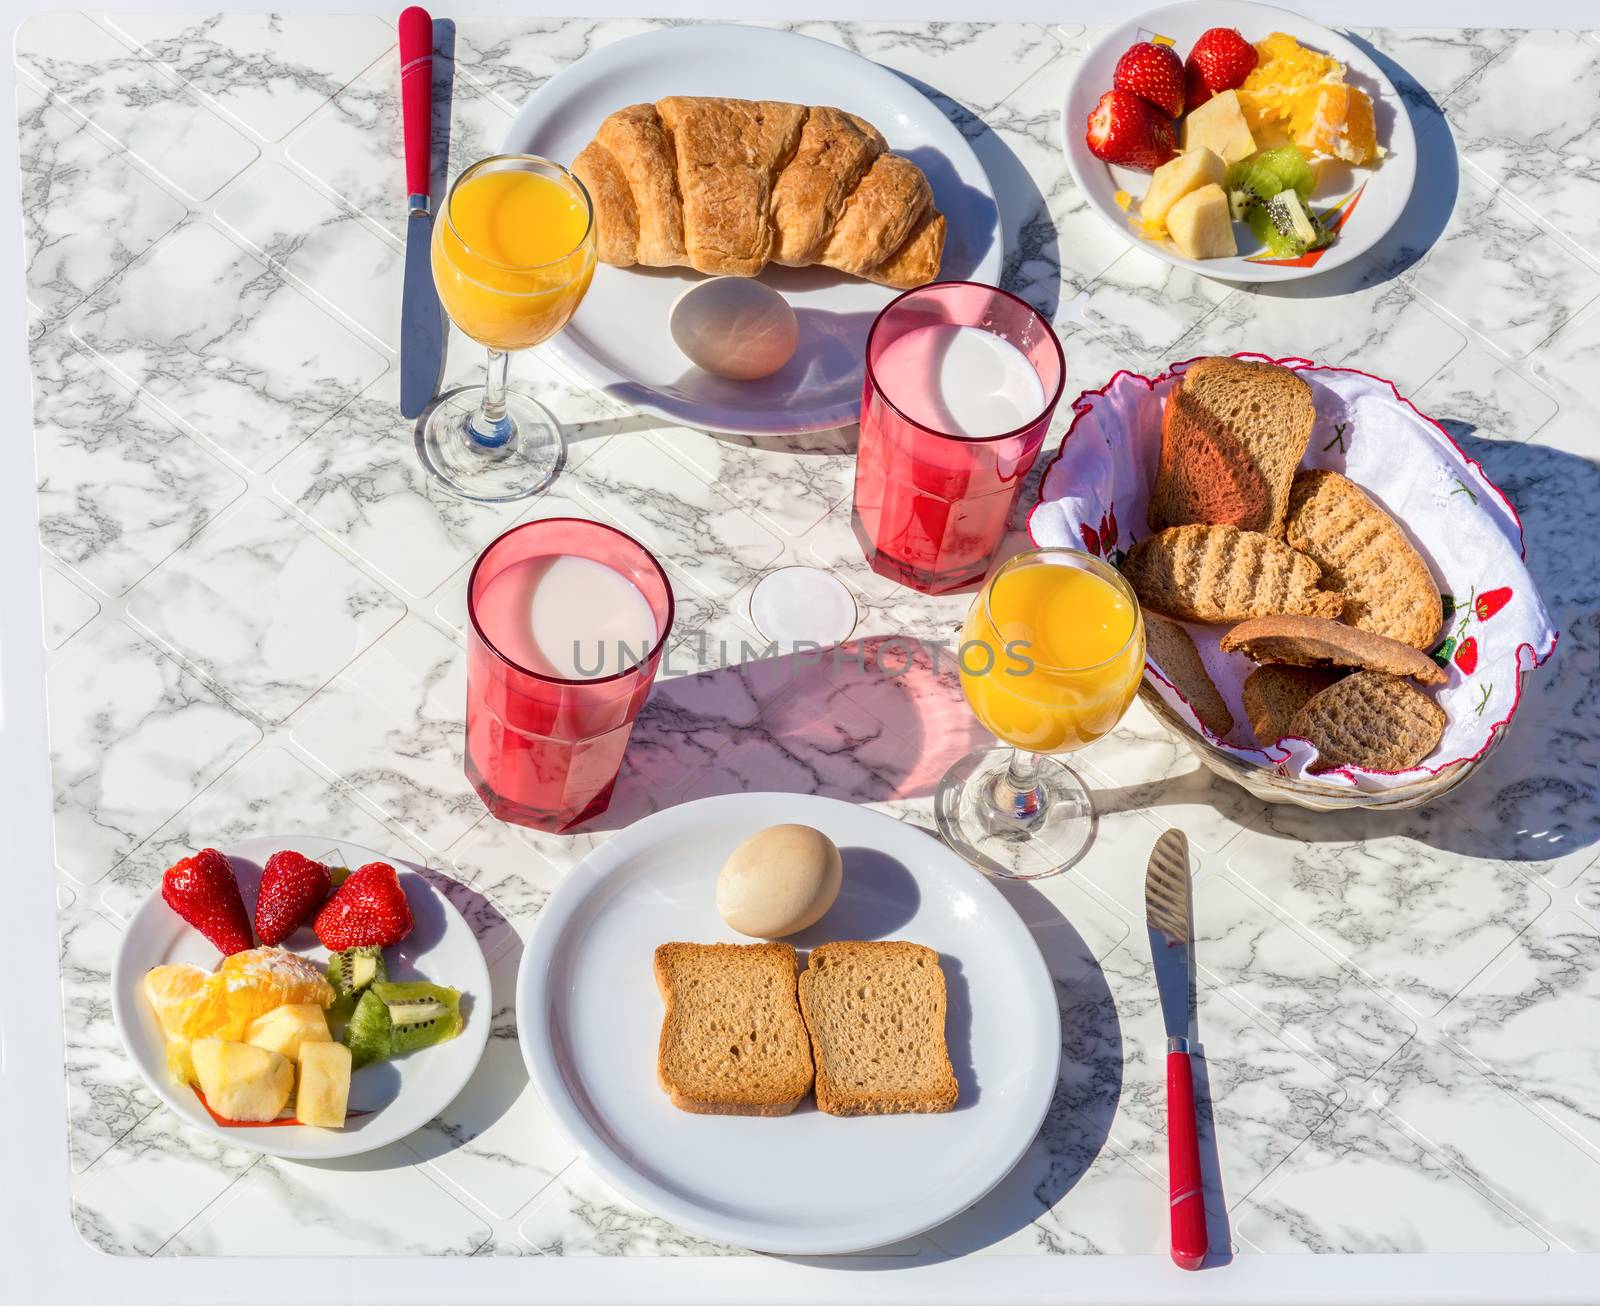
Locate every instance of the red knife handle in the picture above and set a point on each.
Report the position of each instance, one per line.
(416, 96)
(1185, 1188)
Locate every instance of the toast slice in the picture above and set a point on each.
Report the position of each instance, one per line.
(1365, 557)
(1274, 693)
(1170, 647)
(732, 1041)
(1312, 642)
(1221, 573)
(876, 1014)
(1372, 720)
(1232, 434)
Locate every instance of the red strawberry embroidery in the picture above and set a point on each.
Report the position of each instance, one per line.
(292, 888)
(1466, 655)
(202, 890)
(1108, 531)
(1490, 602)
(369, 910)
(1091, 540)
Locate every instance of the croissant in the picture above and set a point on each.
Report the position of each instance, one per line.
(729, 186)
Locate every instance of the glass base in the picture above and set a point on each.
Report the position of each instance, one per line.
(1015, 838)
(515, 458)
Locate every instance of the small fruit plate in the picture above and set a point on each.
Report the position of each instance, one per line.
(1360, 204)
(389, 1099)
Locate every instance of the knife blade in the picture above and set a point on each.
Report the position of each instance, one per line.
(422, 329)
(1169, 918)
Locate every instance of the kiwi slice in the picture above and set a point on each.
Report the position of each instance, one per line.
(420, 1014)
(350, 972)
(393, 1019)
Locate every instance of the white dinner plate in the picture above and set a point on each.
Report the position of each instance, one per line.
(1377, 196)
(619, 340)
(803, 1184)
(400, 1096)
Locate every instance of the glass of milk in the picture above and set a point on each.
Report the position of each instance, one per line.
(961, 382)
(566, 622)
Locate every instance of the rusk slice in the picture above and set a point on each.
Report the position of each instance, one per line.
(876, 1013)
(1169, 646)
(1232, 434)
(1365, 557)
(1372, 720)
(732, 1040)
(1310, 642)
(1274, 693)
(1220, 573)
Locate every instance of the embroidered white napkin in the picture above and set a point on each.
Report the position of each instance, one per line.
(1094, 496)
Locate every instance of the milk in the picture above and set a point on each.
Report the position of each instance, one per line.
(960, 380)
(568, 617)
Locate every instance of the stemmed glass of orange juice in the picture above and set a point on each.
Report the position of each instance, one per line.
(1051, 657)
(513, 255)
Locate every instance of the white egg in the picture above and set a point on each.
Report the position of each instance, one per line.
(779, 881)
(734, 327)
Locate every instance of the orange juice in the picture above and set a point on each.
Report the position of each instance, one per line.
(1065, 651)
(513, 254)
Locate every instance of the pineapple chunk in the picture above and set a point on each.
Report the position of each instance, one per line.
(284, 1029)
(241, 1081)
(1176, 178)
(324, 1091)
(1218, 125)
(1200, 224)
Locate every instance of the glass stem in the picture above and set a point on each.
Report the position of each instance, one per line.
(1017, 793)
(491, 427)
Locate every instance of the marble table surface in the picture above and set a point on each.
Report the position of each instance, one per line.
(254, 607)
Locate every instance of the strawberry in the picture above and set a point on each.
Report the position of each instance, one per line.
(202, 890)
(1466, 655)
(292, 887)
(368, 910)
(1124, 129)
(1220, 61)
(1091, 540)
(1490, 602)
(1154, 73)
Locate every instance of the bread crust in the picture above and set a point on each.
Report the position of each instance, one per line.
(727, 186)
(1370, 720)
(1171, 648)
(1313, 642)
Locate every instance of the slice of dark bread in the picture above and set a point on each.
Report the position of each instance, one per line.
(732, 1038)
(1372, 720)
(1171, 649)
(876, 1013)
(1274, 693)
(1312, 642)
(1365, 557)
(1220, 573)
(1232, 434)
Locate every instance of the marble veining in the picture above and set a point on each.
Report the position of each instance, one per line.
(255, 613)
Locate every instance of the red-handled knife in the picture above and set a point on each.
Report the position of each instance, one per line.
(1169, 918)
(421, 319)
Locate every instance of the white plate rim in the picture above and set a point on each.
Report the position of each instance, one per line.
(534, 993)
(766, 43)
(393, 1123)
(1400, 168)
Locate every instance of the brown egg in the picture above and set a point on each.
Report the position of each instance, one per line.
(779, 881)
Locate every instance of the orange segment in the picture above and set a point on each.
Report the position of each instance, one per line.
(1301, 94)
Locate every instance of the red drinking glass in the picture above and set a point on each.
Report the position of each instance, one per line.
(932, 503)
(543, 750)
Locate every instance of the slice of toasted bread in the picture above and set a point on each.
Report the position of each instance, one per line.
(1170, 647)
(1232, 434)
(876, 1014)
(732, 1040)
(1371, 720)
(1220, 573)
(1273, 694)
(1365, 557)
(1312, 642)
